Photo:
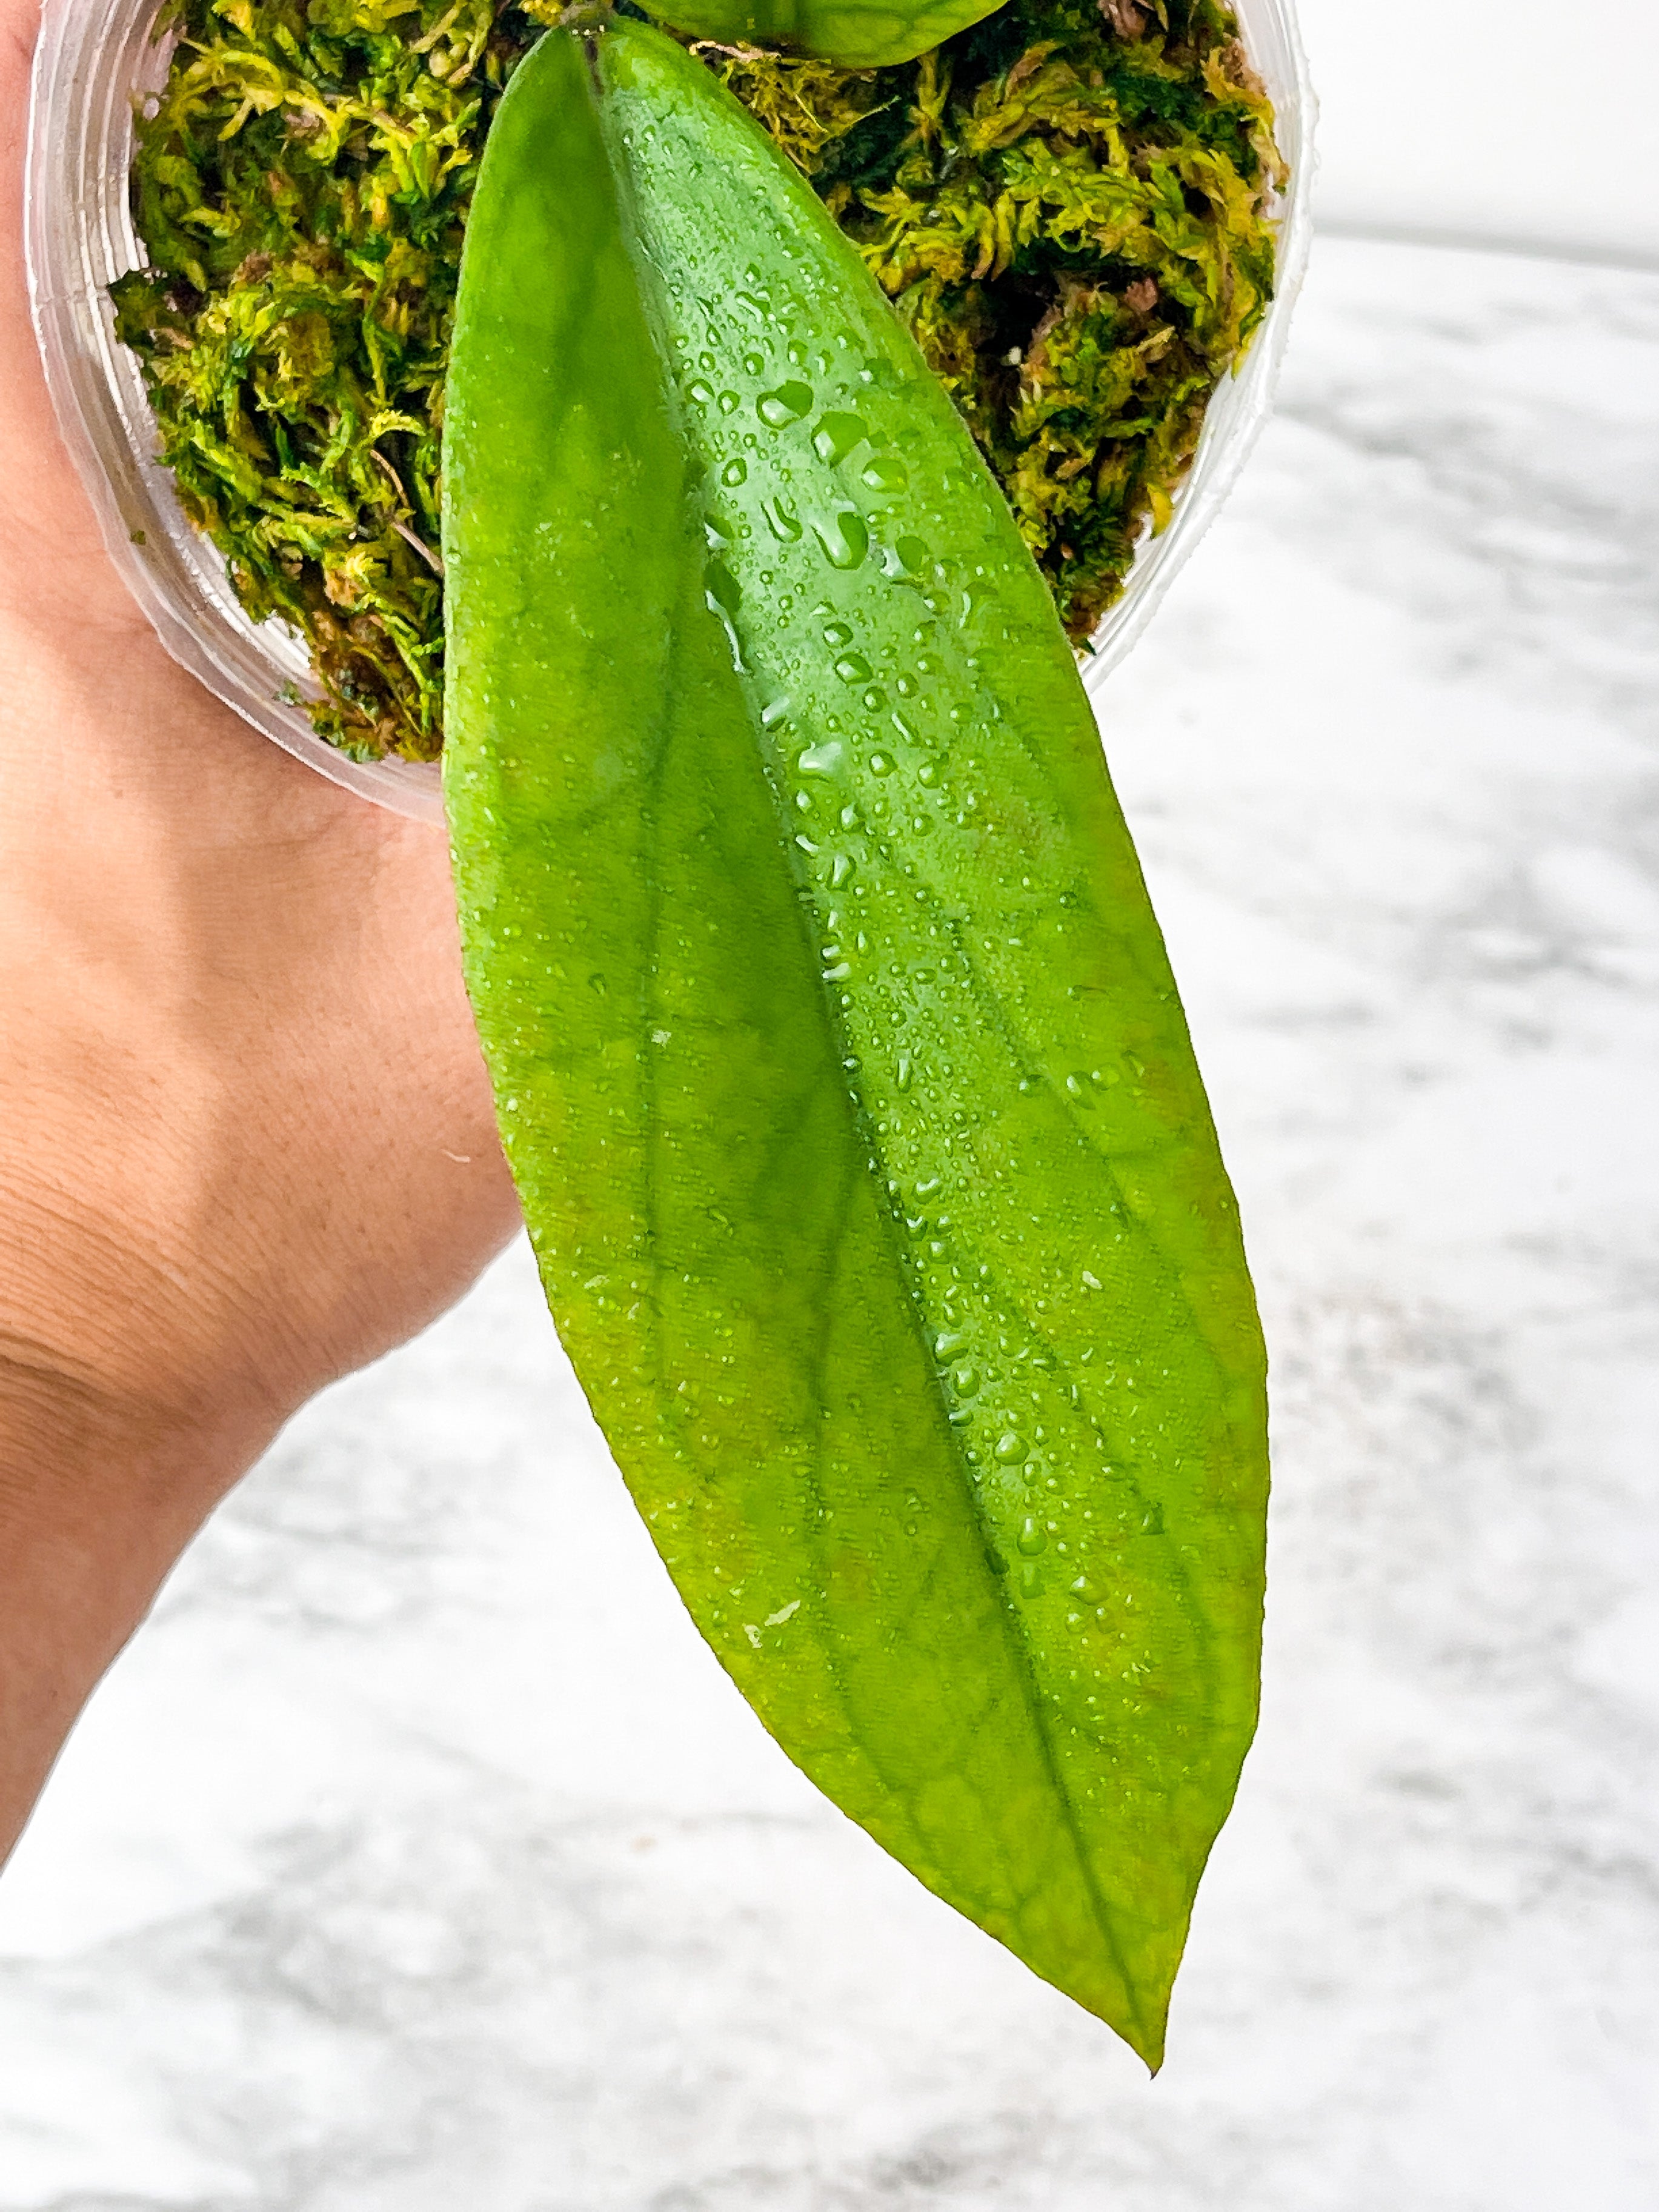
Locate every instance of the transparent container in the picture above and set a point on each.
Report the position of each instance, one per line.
(96, 58)
(1239, 408)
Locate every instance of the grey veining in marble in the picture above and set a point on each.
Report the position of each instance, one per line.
(418, 1857)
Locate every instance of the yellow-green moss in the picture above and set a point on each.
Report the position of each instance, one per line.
(1068, 204)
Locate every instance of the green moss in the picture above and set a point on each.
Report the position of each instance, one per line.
(1067, 204)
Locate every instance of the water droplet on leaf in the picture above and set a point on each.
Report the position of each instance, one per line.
(845, 537)
(835, 437)
(722, 587)
(787, 405)
(781, 519)
(886, 472)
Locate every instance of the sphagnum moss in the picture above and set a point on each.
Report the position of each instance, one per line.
(1068, 204)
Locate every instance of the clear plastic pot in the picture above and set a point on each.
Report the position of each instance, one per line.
(96, 58)
(1240, 409)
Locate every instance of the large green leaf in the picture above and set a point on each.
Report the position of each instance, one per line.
(835, 1049)
(857, 33)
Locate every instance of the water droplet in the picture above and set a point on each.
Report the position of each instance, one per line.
(903, 1077)
(753, 363)
(722, 586)
(880, 764)
(1090, 1282)
(700, 392)
(908, 557)
(839, 869)
(781, 519)
(775, 710)
(787, 405)
(837, 634)
(948, 1344)
(886, 472)
(1031, 1537)
(1012, 1450)
(1078, 1088)
(965, 1382)
(826, 759)
(835, 437)
(730, 403)
(1031, 1579)
(928, 774)
(735, 473)
(845, 537)
(853, 668)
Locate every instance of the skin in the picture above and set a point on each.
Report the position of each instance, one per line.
(246, 1142)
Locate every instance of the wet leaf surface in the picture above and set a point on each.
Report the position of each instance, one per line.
(837, 1052)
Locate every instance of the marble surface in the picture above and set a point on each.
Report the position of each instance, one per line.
(418, 1856)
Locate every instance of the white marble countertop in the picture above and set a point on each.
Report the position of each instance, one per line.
(418, 1857)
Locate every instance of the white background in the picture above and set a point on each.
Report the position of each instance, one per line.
(1531, 123)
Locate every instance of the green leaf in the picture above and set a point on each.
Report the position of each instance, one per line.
(857, 33)
(835, 1049)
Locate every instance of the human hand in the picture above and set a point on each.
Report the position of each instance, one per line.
(247, 1141)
